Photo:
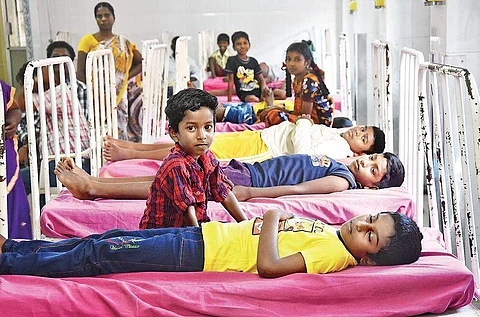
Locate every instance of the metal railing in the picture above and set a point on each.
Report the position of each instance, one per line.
(43, 180)
(382, 98)
(449, 116)
(410, 142)
(102, 103)
(155, 87)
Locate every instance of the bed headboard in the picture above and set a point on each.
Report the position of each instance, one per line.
(410, 144)
(382, 98)
(41, 181)
(155, 86)
(345, 81)
(449, 117)
(102, 103)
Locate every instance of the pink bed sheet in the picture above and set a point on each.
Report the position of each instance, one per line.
(433, 284)
(218, 83)
(66, 216)
(238, 127)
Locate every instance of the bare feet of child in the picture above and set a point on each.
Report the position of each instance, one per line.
(2, 241)
(70, 165)
(120, 143)
(78, 185)
(112, 152)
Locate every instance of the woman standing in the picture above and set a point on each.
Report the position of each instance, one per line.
(128, 64)
(19, 225)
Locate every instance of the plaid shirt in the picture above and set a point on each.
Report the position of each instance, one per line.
(181, 182)
(22, 131)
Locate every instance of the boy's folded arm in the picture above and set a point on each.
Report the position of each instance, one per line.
(269, 263)
(231, 204)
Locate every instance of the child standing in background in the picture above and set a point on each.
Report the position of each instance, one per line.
(190, 175)
(218, 60)
(244, 71)
(311, 95)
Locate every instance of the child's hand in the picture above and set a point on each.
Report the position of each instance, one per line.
(282, 215)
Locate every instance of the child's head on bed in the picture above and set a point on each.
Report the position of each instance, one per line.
(299, 61)
(191, 119)
(386, 238)
(378, 170)
(365, 139)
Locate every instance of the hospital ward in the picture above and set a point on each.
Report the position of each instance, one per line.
(239, 158)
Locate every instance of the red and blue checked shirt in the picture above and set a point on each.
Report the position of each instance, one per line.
(180, 182)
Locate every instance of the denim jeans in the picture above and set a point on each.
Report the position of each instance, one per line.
(115, 251)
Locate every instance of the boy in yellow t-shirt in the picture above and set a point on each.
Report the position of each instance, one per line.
(272, 246)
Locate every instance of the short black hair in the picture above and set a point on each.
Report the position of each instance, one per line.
(188, 99)
(379, 141)
(60, 44)
(395, 173)
(404, 246)
(20, 77)
(223, 37)
(103, 5)
(239, 34)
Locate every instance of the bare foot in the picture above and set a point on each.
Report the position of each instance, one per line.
(120, 143)
(78, 185)
(112, 152)
(2, 241)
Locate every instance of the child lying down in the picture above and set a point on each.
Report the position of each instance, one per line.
(275, 245)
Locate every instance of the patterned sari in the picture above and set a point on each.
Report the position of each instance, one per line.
(129, 92)
(19, 225)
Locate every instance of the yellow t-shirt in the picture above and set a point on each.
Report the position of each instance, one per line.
(233, 246)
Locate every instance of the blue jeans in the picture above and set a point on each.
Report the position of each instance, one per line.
(115, 251)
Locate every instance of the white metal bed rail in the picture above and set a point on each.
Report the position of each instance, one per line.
(155, 92)
(206, 43)
(102, 103)
(382, 98)
(3, 172)
(182, 69)
(451, 103)
(410, 141)
(345, 81)
(50, 63)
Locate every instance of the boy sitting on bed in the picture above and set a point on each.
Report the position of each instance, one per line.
(190, 175)
(285, 138)
(272, 246)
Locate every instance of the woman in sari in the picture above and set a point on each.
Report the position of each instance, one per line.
(128, 66)
(19, 225)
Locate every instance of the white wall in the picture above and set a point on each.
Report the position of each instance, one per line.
(400, 24)
(271, 25)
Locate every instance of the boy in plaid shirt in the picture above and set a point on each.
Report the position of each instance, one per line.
(190, 175)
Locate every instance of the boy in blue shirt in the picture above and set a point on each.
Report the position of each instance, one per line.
(272, 246)
(284, 175)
